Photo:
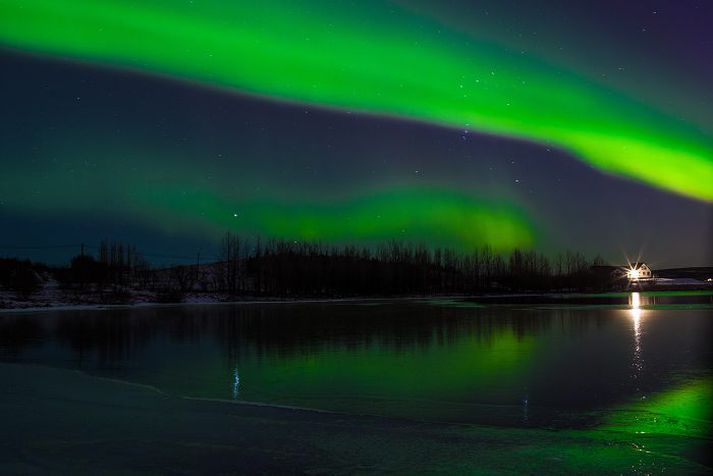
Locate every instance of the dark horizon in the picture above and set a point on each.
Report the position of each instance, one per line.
(120, 273)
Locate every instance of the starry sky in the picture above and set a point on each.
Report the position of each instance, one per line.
(546, 125)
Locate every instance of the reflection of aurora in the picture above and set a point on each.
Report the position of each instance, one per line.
(309, 53)
(681, 411)
(479, 364)
(379, 371)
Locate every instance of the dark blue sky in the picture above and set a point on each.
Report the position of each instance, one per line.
(67, 128)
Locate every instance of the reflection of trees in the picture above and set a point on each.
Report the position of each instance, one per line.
(106, 336)
(17, 333)
(284, 330)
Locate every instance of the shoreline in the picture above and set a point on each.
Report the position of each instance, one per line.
(520, 298)
(140, 305)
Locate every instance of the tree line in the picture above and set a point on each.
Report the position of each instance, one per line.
(288, 268)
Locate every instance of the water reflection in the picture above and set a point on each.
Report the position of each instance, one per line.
(636, 314)
(236, 384)
(511, 364)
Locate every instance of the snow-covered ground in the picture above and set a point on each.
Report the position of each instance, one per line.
(51, 295)
(677, 282)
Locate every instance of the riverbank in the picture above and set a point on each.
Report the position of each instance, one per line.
(88, 284)
(66, 422)
(651, 297)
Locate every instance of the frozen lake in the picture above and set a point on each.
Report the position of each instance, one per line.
(569, 366)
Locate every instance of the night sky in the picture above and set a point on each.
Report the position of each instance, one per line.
(546, 125)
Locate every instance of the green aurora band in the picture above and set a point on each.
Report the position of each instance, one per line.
(414, 214)
(431, 215)
(373, 57)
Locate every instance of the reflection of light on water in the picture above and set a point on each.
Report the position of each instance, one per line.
(236, 383)
(636, 313)
(635, 301)
(636, 317)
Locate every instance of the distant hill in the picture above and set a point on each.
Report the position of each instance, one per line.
(700, 273)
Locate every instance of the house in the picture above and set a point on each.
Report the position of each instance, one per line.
(638, 272)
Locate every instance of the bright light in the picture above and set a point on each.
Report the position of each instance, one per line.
(635, 311)
(635, 301)
(633, 273)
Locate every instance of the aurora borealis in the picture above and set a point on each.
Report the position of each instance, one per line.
(451, 124)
